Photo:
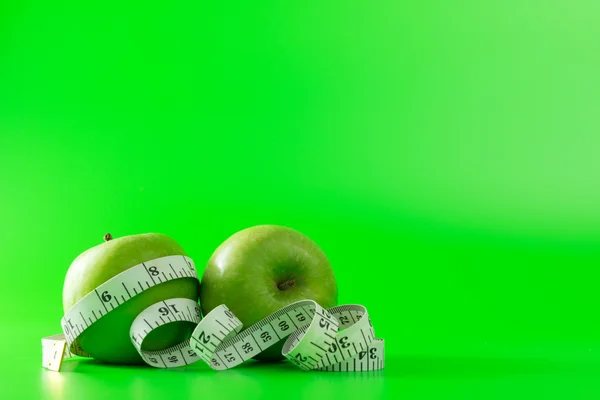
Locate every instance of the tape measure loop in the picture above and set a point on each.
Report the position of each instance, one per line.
(338, 339)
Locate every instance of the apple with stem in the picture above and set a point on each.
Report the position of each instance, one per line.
(261, 269)
(108, 339)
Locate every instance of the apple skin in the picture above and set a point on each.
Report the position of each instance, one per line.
(108, 339)
(245, 272)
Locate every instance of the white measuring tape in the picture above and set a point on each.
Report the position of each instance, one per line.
(337, 339)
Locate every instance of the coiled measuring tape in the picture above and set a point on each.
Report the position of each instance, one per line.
(337, 339)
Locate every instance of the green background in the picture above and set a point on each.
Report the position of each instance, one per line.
(445, 155)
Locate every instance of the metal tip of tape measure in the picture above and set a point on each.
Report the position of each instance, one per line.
(54, 349)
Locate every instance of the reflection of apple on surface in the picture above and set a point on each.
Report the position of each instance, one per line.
(108, 339)
(261, 269)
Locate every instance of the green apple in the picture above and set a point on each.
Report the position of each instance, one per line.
(108, 339)
(261, 269)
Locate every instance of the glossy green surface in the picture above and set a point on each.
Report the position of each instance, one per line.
(443, 154)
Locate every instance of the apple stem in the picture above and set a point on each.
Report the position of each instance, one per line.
(286, 284)
(108, 237)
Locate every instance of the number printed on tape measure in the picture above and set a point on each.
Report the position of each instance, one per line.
(337, 339)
